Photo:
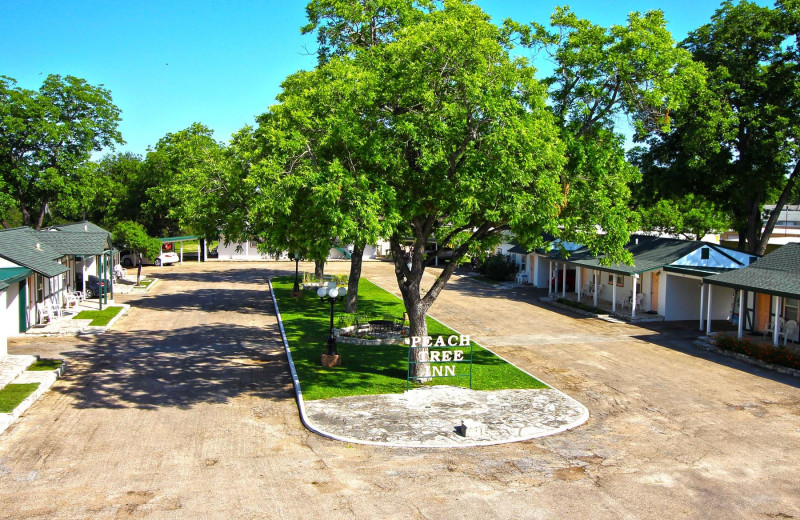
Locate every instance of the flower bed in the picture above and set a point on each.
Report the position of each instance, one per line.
(350, 336)
(777, 356)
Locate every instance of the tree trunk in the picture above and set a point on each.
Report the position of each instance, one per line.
(409, 282)
(319, 268)
(761, 246)
(356, 259)
(139, 271)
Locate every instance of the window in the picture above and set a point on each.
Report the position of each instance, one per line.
(620, 280)
(790, 309)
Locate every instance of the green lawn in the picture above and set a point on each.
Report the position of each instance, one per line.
(99, 318)
(371, 369)
(13, 394)
(42, 365)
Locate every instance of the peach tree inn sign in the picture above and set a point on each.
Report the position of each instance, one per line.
(443, 355)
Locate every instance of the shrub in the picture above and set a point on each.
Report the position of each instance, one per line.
(496, 268)
(767, 353)
(582, 306)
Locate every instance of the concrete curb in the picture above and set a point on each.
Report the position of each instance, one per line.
(319, 431)
(44, 378)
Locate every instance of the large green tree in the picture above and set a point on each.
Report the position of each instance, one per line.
(602, 76)
(46, 141)
(736, 143)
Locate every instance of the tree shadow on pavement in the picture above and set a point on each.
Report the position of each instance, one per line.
(208, 364)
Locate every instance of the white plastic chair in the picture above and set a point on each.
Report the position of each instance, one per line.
(788, 331)
(770, 330)
(71, 300)
(639, 298)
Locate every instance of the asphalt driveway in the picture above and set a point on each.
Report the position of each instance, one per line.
(186, 410)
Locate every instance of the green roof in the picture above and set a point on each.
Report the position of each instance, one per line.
(777, 274)
(649, 254)
(76, 243)
(84, 226)
(23, 246)
(9, 275)
(179, 239)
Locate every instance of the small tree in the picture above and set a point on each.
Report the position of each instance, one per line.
(133, 236)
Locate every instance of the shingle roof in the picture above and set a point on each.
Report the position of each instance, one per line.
(76, 243)
(23, 246)
(649, 254)
(84, 226)
(778, 274)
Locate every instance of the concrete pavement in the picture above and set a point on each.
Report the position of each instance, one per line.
(186, 410)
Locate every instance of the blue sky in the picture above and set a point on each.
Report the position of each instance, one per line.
(171, 63)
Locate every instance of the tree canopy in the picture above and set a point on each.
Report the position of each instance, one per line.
(736, 142)
(46, 141)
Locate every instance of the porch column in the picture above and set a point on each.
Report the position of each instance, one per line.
(742, 296)
(564, 281)
(550, 277)
(594, 280)
(614, 294)
(702, 300)
(181, 253)
(578, 282)
(708, 315)
(199, 247)
(633, 300)
(776, 301)
(100, 286)
(110, 273)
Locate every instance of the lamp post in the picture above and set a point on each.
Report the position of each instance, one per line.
(332, 294)
(296, 289)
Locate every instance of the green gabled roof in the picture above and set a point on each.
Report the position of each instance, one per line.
(179, 239)
(23, 247)
(649, 254)
(85, 226)
(777, 274)
(76, 243)
(9, 275)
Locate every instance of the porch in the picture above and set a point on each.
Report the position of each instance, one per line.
(65, 323)
(604, 308)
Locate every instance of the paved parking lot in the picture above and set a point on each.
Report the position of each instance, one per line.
(185, 410)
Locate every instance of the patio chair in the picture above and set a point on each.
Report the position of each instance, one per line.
(639, 298)
(120, 272)
(788, 331)
(71, 300)
(44, 313)
(771, 327)
(587, 289)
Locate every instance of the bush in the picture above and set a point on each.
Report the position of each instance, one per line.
(496, 268)
(767, 353)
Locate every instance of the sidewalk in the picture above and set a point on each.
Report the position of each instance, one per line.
(67, 325)
(13, 370)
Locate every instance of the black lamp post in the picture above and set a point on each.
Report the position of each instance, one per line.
(296, 288)
(332, 294)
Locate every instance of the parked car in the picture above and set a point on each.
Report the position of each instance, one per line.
(93, 285)
(166, 257)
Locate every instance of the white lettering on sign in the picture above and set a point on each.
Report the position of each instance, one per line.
(443, 370)
(451, 341)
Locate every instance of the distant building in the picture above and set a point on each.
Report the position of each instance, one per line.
(787, 228)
